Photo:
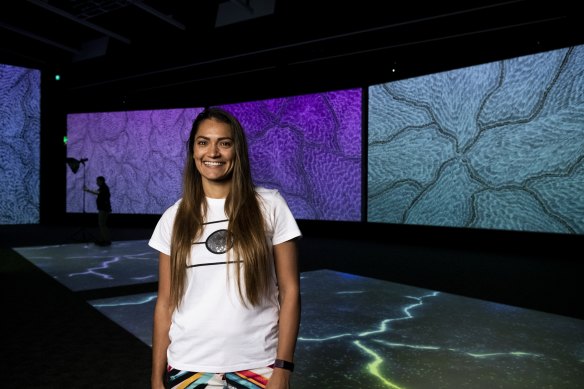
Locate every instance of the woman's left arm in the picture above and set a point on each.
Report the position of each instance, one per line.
(286, 261)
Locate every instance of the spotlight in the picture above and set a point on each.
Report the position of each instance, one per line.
(74, 164)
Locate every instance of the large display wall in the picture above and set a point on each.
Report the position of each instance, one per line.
(19, 144)
(494, 146)
(308, 147)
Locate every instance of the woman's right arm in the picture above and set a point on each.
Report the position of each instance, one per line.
(162, 318)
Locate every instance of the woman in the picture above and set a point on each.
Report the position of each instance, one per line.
(228, 307)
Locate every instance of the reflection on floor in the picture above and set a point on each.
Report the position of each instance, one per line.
(360, 332)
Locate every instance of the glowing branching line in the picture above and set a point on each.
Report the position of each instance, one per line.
(373, 367)
(93, 270)
(144, 278)
(323, 339)
(512, 353)
(383, 326)
(146, 300)
(142, 257)
(105, 265)
(475, 355)
(407, 345)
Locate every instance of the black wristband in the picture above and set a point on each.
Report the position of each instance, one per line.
(282, 364)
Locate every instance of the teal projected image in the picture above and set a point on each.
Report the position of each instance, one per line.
(494, 146)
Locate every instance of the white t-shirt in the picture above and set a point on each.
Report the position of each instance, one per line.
(213, 331)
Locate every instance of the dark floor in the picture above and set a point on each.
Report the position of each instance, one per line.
(54, 339)
(536, 271)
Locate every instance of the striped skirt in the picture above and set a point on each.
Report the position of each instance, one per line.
(243, 379)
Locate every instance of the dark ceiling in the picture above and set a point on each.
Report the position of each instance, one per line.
(143, 49)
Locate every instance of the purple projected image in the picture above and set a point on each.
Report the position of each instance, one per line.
(308, 147)
(494, 146)
(139, 153)
(19, 145)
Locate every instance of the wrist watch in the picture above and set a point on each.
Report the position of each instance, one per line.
(282, 364)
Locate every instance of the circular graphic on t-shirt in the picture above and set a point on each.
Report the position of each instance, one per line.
(217, 242)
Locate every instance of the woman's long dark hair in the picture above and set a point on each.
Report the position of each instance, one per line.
(242, 207)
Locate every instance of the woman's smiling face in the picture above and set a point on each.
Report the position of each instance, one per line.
(214, 151)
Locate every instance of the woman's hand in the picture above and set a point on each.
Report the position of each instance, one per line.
(280, 379)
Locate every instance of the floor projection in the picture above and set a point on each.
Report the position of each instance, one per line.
(85, 266)
(360, 332)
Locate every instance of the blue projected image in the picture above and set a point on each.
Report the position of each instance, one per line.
(494, 146)
(19, 145)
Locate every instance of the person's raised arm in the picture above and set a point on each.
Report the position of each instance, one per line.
(94, 192)
(161, 328)
(286, 262)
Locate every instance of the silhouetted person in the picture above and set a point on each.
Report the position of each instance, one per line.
(104, 208)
